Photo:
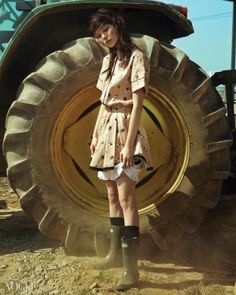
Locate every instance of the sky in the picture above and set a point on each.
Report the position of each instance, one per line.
(210, 44)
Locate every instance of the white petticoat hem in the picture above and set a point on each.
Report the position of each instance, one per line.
(132, 172)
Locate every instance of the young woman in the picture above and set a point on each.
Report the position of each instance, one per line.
(119, 145)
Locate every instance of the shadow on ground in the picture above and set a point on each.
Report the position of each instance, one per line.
(24, 240)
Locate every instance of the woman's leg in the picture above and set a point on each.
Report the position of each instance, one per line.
(114, 256)
(126, 193)
(114, 203)
(130, 275)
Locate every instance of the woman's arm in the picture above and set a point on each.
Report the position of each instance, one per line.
(102, 107)
(95, 131)
(126, 155)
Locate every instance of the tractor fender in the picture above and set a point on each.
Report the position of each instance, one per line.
(48, 27)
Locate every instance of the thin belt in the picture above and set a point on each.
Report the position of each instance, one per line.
(118, 109)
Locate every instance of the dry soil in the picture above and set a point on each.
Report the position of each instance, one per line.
(203, 263)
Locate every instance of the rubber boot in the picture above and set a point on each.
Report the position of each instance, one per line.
(130, 276)
(114, 256)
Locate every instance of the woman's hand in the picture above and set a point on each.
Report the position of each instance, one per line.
(126, 156)
(93, 145)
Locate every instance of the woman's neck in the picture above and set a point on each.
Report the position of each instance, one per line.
(119, 55)
(118, 51)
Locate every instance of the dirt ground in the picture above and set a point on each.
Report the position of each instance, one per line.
(203, 263)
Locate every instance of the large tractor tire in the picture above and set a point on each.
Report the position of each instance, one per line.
(49, 128)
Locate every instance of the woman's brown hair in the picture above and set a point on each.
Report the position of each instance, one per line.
(106, 16)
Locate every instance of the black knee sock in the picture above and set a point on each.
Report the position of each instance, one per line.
(131, 231)
(118, 221)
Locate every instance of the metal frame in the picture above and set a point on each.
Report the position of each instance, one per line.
(228, 79)
(7, 13)
(233, 52)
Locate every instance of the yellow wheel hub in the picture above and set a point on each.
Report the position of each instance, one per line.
(70, 152)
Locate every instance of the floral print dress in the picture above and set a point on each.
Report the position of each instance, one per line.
(113, 126)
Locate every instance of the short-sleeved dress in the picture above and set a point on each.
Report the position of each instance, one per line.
(113, 127)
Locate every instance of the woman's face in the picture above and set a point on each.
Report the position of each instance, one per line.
(107, 35)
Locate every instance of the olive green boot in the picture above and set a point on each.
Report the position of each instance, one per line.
(130, 276)
(114, 256)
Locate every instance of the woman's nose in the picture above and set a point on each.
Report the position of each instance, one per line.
(104, 35)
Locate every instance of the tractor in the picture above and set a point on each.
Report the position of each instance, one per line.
(48, 107)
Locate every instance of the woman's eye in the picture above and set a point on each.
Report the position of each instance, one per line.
(106, 29)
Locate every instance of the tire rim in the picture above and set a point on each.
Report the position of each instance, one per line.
(70, 151)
